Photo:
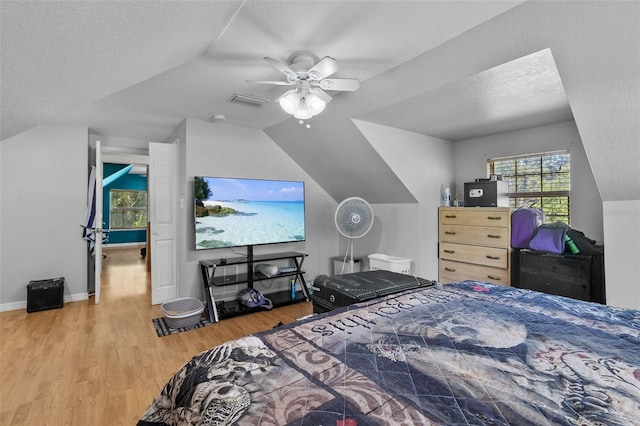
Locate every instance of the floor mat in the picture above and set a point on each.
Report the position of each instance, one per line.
(164, 330)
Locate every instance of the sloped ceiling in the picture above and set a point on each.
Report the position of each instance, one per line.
(134, 70)
(58, 57)
(517, 95)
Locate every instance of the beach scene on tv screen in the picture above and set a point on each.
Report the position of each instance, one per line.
(238, 212)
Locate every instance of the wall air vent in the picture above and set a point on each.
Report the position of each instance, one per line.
(247, 99)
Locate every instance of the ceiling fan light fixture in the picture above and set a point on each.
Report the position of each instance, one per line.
(303, 113)
(315, 104)
(301, 106)
(290, 101)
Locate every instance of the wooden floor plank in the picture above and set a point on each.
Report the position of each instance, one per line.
(87, 364)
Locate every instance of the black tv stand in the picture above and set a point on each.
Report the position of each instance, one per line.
(228, 309)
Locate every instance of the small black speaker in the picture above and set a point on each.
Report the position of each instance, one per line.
(45, 294)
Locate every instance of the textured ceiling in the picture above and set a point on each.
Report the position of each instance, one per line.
(132, 71)
(136, 69)
(520, 94)
(59, 57)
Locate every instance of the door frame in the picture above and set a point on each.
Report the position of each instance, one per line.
(114, 156)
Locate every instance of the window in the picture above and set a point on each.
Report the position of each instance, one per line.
(128, 209)
(543, 178)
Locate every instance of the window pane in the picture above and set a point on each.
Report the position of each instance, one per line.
(529, 183)
(555, 163)
(128, 199)
(556, 182)
(529, 165)
(530, 177)
(124, 218)
(556, 209)
(505, 168)
(128, 209)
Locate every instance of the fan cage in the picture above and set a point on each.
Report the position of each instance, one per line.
(354, 217)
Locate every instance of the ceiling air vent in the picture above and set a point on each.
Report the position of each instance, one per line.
(248, 99)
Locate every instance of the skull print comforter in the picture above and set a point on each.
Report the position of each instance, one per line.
(464, 353)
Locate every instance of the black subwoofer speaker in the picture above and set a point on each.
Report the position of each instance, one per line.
(45, 294)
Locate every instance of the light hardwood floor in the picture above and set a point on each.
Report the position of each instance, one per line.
(88, 364)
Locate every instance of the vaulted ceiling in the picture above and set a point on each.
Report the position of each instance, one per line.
(134, 70)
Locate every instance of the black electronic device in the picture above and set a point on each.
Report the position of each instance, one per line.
(45, 294)
(486, 193)
(222, 261)
(331, 292)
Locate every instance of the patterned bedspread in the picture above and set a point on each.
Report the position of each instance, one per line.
(466, 353)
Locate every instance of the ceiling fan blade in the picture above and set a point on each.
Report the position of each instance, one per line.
(288, 92)
(281, 67)
(322, 95)
(324, 68)
(277, 83)
(342, 84)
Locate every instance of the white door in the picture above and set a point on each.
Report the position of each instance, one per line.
(97, 252)
(163, 221)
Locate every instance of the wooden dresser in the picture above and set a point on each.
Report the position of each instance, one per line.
(475, 244)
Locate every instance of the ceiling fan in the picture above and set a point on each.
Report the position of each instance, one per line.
(309, 76)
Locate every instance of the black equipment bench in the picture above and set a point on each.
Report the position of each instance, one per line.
(331, 292)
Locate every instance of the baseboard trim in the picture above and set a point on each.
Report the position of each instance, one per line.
(128, 245)
(14, 306)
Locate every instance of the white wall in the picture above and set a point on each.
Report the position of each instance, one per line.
(1, 227)
(43, 201)
(622, 222)
(217, 149)
(423, 163)
(585, 203)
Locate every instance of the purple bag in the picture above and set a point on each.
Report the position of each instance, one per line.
(524, 224)
(550, 238)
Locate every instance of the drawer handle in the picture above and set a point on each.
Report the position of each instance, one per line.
(449, 269)
(450, 216)
(494, 236)
(449, 251)
(449, 232)
(493, 257)
(494, 217)
(491, 277)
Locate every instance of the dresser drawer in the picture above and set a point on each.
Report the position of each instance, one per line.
(476, 235)
(488, 256)
(458, 271)
(475, 216)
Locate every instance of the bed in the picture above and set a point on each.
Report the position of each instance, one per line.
(455, 354)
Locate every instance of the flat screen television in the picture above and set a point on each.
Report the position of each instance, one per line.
(234, 212)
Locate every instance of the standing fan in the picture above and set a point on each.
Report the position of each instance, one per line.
(354, 218)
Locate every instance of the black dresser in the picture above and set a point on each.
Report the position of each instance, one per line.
(576, 276)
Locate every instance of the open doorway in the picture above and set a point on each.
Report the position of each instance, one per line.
(162, 216)
(126, 225)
